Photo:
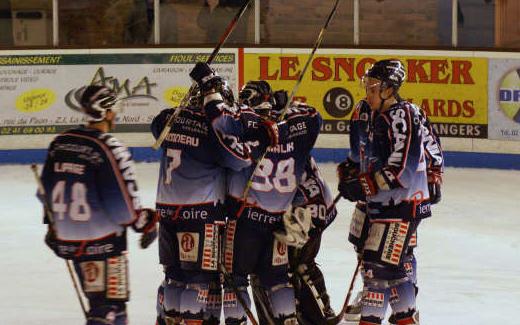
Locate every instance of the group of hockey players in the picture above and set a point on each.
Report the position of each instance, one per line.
(240, 201)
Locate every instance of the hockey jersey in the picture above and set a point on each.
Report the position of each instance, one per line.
(90, 182)
(276, 179)
(314, 193)
(192, 168)
(391, 146)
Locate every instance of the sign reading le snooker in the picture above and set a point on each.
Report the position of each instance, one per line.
(451, 90)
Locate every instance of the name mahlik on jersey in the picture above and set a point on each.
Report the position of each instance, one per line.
(282, 148)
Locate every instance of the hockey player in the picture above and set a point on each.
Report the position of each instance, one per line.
(90, 185)
(387, 170)
(251, 247)
(191, 192)
(349, 170)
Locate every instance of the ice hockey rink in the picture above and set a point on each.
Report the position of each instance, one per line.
(468, 255)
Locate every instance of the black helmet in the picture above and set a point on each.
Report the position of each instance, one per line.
(256, 93)
(96, 100)
(390, 72)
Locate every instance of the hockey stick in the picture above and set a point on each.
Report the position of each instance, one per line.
(228, 278)
(293, 92)
(184, 101)
(50, 217)
(264, 313)
(339, 317)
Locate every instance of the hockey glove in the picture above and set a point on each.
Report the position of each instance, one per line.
(297, 223)
(51, 241)
(280, 100)
(148, 238)
(434, 185)
(146, 224)
(368, 185)
(347, 170)
(350, 189)
(206, 77)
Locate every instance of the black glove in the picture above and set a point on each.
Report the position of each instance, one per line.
(350, 189)
(435, 192)
(147, 238)
(434, 185)
(280, 100)
(347, 170)
(146, 224)
(51, 241)
(206, 78)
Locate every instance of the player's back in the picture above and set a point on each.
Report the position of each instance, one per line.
(89, 177)
(276, 179)
(192, 165)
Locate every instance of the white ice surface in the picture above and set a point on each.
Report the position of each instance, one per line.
(468, 255)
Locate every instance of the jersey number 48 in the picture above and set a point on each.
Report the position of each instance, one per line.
(76, 206)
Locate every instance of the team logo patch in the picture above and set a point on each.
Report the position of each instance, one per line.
(375, 235)
(188, 246)
(373, 299)
(394, 243)
(408, 268)
(93, 273)
(211, 248)
(394, 296)
(280, 256)
(117, 284)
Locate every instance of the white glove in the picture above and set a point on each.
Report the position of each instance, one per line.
(297, 222)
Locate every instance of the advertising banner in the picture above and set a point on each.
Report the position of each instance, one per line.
(451, 90)
(39, 93)
(504, 99)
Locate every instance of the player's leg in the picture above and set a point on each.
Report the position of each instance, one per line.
(358, 232)
(168, 293)
(105, 284)
(312, 300)
(384, 273)
(198, 256)
(399, 300)
(243, 246)
(273, 276)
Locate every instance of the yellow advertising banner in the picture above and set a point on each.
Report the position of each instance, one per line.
(452, 90)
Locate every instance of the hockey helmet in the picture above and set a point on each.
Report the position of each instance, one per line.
(227, 93)
(97, 100)
(391, 73)
(258, 96)
(196, 99)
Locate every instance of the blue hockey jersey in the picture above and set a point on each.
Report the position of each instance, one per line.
(90, 182)
(391, 146)
(193, 164)
(277, 178)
